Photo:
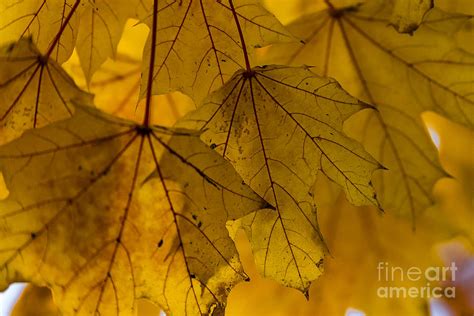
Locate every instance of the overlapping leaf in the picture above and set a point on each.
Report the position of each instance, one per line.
(34, 90)
(198, 46)
(43, 20)
(105, 211)
(279, 126)
(93, 27)
(403, 76)
(123, 74)
(102, 22)
(359, 240)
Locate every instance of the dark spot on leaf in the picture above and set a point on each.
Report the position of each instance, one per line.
(320, 263)
(306, 294)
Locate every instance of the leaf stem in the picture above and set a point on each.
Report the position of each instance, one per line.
(146, 119)
(61, 30)
(330, 5)
(241, 35)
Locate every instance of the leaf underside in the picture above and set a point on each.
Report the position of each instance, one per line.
(104, 212)
(34, 90)
(92, 27)
(280, 126)
(402, 76)
(42, 20)
(199, 36)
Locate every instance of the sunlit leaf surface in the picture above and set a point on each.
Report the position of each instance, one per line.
(280, 126)
(105, 211)
(198, 46)
(402, 76)
(34, 90)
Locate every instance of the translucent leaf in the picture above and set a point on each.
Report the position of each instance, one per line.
(401, 75)
(57, 26)
(123, 74)
(45, 21)
(198, 46)
(279, 126)
(105, 211)
(34, 90)
(102, 23)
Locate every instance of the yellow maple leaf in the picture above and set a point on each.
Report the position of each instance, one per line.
(105, 211)
(34, 90)
(45, 21)
(199, 47)
(402, 76)
(100, 29)
(116, 83)
(279, 126)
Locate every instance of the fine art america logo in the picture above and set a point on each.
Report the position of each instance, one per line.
(431, 289)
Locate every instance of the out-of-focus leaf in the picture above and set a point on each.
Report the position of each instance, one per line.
(360, 241)
(35, 301)
(459, 251)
